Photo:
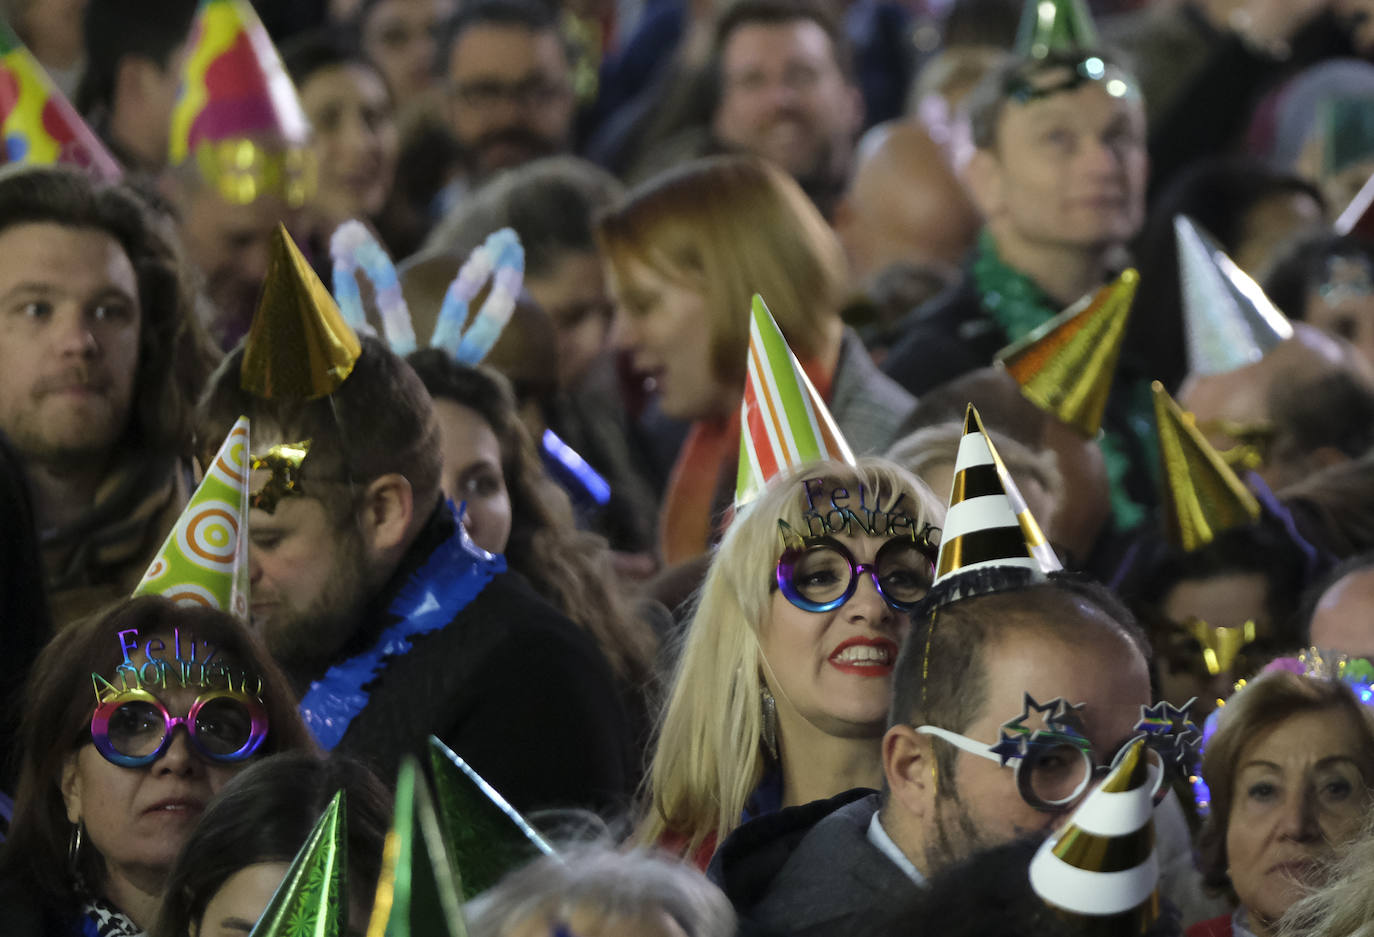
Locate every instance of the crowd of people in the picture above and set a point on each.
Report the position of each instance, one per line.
(741, 467)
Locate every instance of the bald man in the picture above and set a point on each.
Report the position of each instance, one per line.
(904, 204)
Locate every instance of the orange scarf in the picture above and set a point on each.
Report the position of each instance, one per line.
(691, 519)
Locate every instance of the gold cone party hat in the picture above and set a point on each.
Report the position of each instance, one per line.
(1101, 867)
(1054, 26)
(204, 560)
(1066, 366)
(312, 901)
(487, 837)
(1202, 496)
(417, 891)
(988, 523)
(299, 346)
(783, 420)
(1228, 321)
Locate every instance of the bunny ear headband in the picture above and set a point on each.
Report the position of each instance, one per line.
(500, 259)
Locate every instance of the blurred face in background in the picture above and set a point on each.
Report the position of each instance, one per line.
(402, 37)
(355, 140)
(472, 475)
(573, 293)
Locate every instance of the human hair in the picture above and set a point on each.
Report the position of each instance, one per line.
(1334, 508)
(708, 755)
(318, 49)
(919, 451)
(569, 567)
(1312, 596)
(529, 15)
(627, 887)
(266, 814)
(56, 724)
(1001, 406)
(778, 13)
(549, 202)
(1262, 704)
(1302, 267)
(730, 227)
(174, 353)
(1334, 410)
(941, 677)
(1344, 905)
(988, 100)
(379, 421)
(115, 30)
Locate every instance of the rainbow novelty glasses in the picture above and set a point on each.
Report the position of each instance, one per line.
(819, 574)
(133, 728)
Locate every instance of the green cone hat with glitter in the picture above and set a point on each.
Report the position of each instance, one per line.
(487, 837)
(1228, 321)
(1054, 26)
(204, 560)
(312, 901)
(783, 420)
(418, 889)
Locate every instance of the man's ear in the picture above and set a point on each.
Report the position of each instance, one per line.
(983, 178)
(386, 514)
(70, 785)
(909, 766)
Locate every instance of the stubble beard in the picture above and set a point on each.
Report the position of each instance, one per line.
(306, 641)
(957, 835)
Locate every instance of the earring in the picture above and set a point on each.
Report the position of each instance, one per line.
(74, 855)
(769, 709)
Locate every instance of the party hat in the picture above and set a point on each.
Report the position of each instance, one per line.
(299, 346)
(1066, 366)
(1202, 496)
(237, 113)
(1054, 26)
(204, 560)
(783, 421)
(487, 837)
(312, 901)
(39, 125)
(988, 522)
(1358, 217)
(1229, 321)
(417, 891)
(1101, 866)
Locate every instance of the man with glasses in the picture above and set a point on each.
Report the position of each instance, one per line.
(509, 86)
(1016, 688)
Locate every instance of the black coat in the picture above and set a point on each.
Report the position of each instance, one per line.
(511, 685)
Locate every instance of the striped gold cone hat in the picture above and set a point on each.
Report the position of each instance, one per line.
(988, 523)
(312, 900)
(1228, 321)
(1202, 495)
(783, 421)
(204, 560)
(1066, 366)
(1102, 864)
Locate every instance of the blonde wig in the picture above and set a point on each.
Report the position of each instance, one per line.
(729, 227)
(1344, 906)
(708, 755)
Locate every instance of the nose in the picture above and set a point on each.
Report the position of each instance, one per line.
(625, 332)
(76, 338)
(1298, 822)
(178, 759)
(867, 603)
(1099, 157)
(254, 567)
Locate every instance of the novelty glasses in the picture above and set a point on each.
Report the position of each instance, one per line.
(134, 728)
(1056, 765)
(819, 574)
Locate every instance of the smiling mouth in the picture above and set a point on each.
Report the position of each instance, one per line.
(177, 806)
(865, 658)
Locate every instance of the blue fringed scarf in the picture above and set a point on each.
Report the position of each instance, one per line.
(452, 577)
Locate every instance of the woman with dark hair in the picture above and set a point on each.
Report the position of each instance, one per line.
(1248, 207)
(111, 784)
(240, 850)
(514, 507)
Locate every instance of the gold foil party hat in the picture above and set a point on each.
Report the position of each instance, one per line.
(299, 346)
(1202, 496)
(1066, 366)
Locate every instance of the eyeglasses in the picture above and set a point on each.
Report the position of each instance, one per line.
(529, 93)
(1056, 765)
(134, 729)
(820, 574)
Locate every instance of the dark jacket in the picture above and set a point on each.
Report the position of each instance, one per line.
(809, 871)
(510, 684)
(945, 338)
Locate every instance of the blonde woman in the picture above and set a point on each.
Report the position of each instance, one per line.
(781, 691)
(684, 254)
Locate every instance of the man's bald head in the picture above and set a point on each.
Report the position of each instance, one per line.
(904, 203)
